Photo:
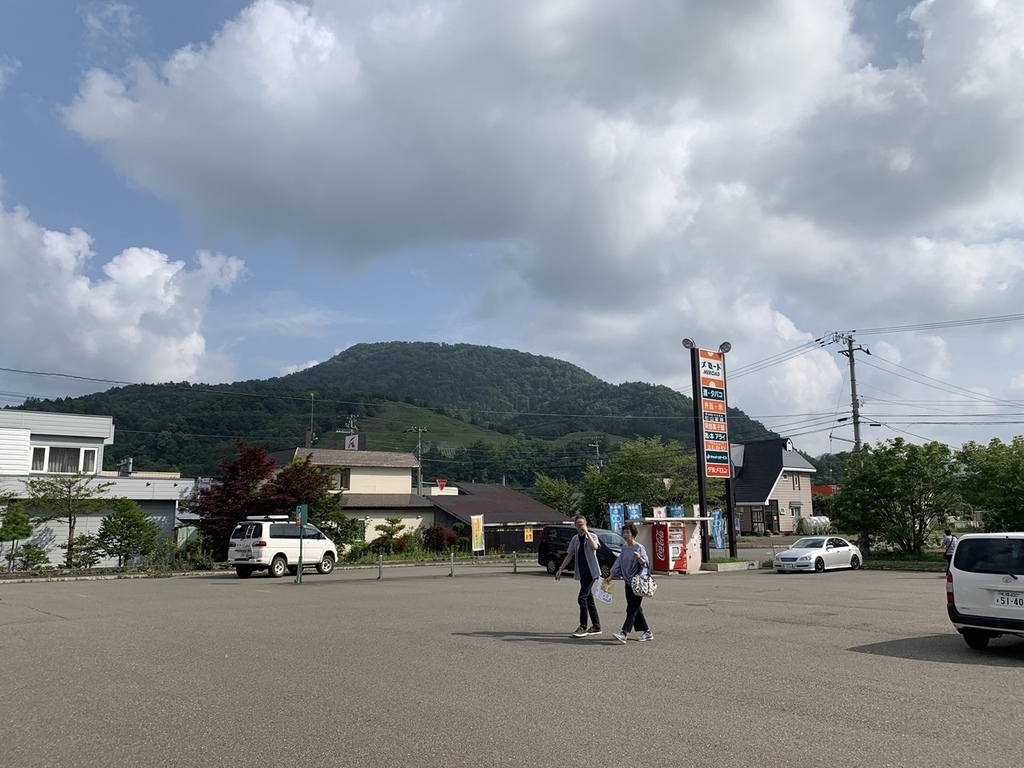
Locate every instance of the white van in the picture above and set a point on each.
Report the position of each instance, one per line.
(271, 543)
(985, 586)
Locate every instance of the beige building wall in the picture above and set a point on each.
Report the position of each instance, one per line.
(411, 522)
(380, 480)
(784, 492)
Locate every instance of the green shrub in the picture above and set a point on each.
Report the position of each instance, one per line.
(84, 552)
(194, 556)
(33, 558)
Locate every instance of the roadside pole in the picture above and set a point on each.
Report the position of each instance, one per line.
(301, 515)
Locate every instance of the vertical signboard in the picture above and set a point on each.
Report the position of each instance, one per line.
(713, 410)
(478, 532)
(718, 528)
(615, 517)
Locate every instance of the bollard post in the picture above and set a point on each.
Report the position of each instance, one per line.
(451, 571)
(380, 566)
(514, 562)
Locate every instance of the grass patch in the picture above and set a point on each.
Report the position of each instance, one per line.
(902, 561)
(728, 560)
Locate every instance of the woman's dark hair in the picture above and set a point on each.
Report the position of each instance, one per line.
(631, 528)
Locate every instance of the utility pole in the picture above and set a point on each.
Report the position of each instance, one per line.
(309, 432)
(848, 352)
(419, 457)
(595, 443)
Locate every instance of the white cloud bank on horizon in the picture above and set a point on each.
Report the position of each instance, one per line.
(628, 173)
(141, 322)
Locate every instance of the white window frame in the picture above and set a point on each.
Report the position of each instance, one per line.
(87, 458)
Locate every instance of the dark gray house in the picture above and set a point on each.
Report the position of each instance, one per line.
(771, 486)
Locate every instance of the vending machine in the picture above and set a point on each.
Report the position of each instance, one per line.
(669, 545)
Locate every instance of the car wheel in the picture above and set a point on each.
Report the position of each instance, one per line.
(277, 567)
(976, 639)
(779, 570)
(551, 565)
(243, 571)
(819, 566)
(606, 571)
(326, 565)
(855, 562)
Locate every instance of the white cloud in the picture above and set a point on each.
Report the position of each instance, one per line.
(8, 68)
(141, 322)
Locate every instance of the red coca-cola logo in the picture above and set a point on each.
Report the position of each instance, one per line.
(659, 543)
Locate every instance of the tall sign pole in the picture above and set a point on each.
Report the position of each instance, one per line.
(711, 433)
(730, 523)
(702, 497)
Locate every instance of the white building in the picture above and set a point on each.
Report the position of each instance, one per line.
(36, 444)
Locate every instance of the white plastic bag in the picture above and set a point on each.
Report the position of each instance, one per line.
(605, 590)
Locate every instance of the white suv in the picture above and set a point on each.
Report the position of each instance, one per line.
(271, 543)
(985, 586)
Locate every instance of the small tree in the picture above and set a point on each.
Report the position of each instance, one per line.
(64, 498)
(32, 557)
(127, 531)
(17, 525)
(82, 552)
(389, 530)
(235, 497)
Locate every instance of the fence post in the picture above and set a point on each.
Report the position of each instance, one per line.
(451, 571)
(514, 562)
(380, 566)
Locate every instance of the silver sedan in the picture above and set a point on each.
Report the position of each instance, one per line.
(818, 553)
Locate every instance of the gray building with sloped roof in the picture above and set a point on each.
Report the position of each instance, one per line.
(771, 486)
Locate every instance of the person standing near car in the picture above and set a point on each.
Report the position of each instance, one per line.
(948, 543)
(583, 548)
(632, 561)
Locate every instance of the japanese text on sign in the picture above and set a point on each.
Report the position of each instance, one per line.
(714, 414)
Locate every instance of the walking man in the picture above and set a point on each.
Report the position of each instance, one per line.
(948, 543)
(583, 548)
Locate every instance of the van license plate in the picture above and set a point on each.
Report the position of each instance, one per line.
(1009, 599)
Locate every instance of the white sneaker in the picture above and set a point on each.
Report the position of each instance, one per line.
(620, 636)
(646, 636)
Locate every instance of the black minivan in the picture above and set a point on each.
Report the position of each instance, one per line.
(554, 543)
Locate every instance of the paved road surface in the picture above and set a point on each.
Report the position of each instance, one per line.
(419, 669)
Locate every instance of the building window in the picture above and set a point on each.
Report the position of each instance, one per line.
(342, 479)
(38, 459)
(89, 460)
(796, 481)
(63, 460)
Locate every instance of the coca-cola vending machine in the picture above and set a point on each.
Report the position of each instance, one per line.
(669, 545)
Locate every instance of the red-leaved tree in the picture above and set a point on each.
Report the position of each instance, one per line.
(239, 494)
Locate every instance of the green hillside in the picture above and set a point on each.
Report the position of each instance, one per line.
(486, 414)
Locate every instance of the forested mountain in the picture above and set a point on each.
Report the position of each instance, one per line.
(482, 411)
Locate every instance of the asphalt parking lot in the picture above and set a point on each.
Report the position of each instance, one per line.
(421, 669)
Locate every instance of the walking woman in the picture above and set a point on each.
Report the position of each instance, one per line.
(632, 561)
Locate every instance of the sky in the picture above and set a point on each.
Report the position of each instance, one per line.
(221, 190)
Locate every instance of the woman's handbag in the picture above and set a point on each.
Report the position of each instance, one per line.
(643, 585)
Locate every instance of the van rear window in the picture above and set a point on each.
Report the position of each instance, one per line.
(247, 531)
(990, 555)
